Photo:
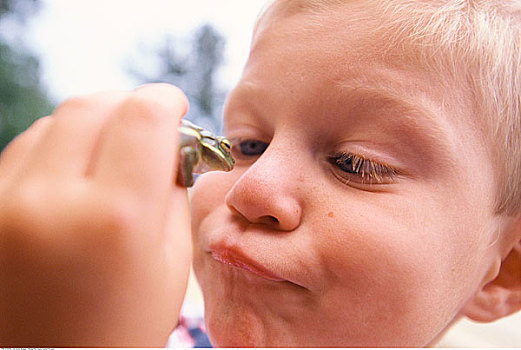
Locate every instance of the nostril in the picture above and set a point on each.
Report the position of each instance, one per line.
(269, 219)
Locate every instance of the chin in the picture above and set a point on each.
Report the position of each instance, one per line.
(231, 329)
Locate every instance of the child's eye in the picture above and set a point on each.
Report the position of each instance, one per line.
(361, 170)
(248, 148)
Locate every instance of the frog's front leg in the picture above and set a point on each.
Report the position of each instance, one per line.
(187, 162)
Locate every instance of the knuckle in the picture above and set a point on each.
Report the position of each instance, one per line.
(170, 97)
(42, 122)
(20, 210)
(72, 103)
(141, 110)
(155, 103)
(35, 131)
(116, 217)
(162, 88)
(99, 102)
(28, 137)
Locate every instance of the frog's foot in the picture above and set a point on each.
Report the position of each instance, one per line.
(187, 159)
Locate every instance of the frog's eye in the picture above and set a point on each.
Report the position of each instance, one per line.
(226, 145)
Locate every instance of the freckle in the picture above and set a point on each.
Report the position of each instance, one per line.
(330, 214)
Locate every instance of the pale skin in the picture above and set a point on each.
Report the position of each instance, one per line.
(292, 247)
(95, 246)
(292, 250)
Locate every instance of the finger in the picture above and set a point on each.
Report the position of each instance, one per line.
(17, 152)
(177, 224)
(139, 151)
(67, 147)
(177, 247)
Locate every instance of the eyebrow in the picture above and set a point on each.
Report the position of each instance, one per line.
(420, 117)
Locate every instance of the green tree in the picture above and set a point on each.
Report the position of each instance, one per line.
(193, 70)
(22, 97)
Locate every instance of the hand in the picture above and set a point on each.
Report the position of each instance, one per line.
(94, 232)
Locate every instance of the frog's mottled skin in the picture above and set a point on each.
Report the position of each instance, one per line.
(201, 151)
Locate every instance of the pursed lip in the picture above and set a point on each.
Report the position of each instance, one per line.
(237, 259)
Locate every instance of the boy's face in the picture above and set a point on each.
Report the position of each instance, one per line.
(366, 220)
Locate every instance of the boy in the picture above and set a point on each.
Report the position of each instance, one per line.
(375, 198)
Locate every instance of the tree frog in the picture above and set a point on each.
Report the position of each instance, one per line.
(201, 151)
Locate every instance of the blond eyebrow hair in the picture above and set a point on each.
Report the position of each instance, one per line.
(411, 110)
(479, 40)
(419, 117)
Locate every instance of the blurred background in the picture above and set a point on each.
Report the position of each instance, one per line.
(53, 49)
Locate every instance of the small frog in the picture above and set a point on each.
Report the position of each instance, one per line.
(201, 151)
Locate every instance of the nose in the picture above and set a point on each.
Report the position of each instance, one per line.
(266, 193)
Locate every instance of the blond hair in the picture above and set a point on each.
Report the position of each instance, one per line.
(481, 36)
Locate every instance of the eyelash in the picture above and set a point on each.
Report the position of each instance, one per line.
(367, 171)
(353, 167)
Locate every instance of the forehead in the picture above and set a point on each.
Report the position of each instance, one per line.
(341, 47)
(329, 32)
(360, 30)
(348, 44)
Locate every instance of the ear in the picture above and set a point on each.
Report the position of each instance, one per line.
(502, 296)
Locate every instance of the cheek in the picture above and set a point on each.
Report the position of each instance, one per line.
(207, 204)
(391, 263)
(206, 196)
(208, 193)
